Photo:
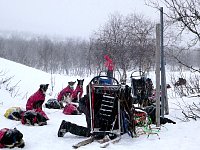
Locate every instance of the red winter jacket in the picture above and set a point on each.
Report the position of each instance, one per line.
(24, 121)
(2, 132)
(109, 63)
(33, 113)
(76, 91)
(69, 109)
(38, 96)
(42, 113)
(68, 89)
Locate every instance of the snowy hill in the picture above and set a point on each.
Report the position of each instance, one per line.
(26, 80)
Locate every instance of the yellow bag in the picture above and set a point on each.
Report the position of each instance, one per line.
(13, 113)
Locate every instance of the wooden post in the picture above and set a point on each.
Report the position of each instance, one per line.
(158, 75)
(164, 100)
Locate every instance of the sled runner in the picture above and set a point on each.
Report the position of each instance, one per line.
(104, 142)
(84, 142)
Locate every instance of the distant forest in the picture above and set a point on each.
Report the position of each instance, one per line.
(129, 41)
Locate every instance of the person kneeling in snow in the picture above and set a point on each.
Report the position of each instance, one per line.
(32, 117)
(10, 138)
(75, 129)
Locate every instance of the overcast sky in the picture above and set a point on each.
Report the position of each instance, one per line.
(68, 18)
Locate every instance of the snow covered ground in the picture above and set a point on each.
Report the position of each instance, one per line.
(182, 135)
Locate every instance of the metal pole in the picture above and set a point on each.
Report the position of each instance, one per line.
(119, 117)
(162, 64)
(163, 83)
(91, 110)
(158, 75)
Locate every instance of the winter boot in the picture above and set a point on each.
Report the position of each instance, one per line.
(64, 127)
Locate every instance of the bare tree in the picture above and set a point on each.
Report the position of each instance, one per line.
(184, 13)
(184, 16)
(141, 41)
(2, 43)
(128, 40)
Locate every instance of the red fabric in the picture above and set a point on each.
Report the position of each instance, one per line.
(23, 121)
(38, 96)
(68, 89)
(2, 132)
(78, 89)
(69, 109)
(109, 63)
(42, 113)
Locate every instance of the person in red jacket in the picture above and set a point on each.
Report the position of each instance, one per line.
(66, 92)
(109, 65)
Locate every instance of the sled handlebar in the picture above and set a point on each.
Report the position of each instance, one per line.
(142, 75)
(99, 78)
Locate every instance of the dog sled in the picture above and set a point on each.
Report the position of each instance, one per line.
(103, 117)
(104, 105)
(111, 111)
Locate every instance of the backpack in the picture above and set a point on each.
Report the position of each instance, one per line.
(53, 104)
(13, 113)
